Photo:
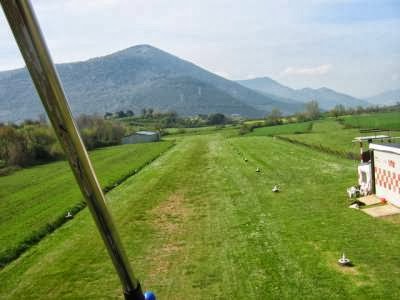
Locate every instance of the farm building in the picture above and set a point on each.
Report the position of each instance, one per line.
(141, 137)
(379, 170)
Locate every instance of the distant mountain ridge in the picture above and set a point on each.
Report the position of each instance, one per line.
(327, 98)
(386, 98)
(138, 77)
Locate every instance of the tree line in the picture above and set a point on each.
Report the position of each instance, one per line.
(169, 119)
(313, 112)
(33, 142)
(341, 110)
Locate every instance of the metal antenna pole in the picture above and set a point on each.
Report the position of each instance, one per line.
(27, 33)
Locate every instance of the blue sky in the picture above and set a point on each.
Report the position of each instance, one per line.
(350, 46)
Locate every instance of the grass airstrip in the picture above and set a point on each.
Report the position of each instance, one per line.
(200, 223)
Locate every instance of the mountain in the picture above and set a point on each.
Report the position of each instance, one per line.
(138, 77)
(386, 98)
(268, 85)
(327, 98)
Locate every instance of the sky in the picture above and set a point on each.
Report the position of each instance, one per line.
(352, 46)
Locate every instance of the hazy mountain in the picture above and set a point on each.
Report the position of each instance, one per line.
(386, 98)
(134, 78)
(327, 98)
(268, 85)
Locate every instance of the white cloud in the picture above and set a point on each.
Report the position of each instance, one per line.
(311, 71)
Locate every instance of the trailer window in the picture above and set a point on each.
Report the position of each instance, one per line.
(363, 176)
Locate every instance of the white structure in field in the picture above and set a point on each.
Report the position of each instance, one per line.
(141, 137)
(365, 178)
(365, 175)
(386, 164)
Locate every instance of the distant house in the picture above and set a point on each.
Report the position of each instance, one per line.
(141, 137)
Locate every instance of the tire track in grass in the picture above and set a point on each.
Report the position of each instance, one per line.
(174, 220)
(251, 231)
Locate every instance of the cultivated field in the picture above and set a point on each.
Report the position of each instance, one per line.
(330, 135)
(327, 135)
(34, 201)
(292, 128)
(198, 130)
(378, 120)
(200, 223)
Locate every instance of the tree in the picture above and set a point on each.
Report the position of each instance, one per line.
(338, 110)
(144, 112)
(129, 113)
(108, 115)
(217, 119)
(312, 110)
(40, 140)
(97, 132)
(150, 112)
(274, 117)
(121, 114)
(360, 109)
(170, 119)
(13, 147)
(300, 117)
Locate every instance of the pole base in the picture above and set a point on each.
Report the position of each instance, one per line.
(136, 294)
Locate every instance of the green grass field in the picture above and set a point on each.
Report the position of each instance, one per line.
(200, 223)
(390, 120)
(199, 130)
(33, 201)
(330, 135)
(293, 128)
(327, 135)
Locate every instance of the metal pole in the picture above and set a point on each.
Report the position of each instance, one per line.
(27, 33)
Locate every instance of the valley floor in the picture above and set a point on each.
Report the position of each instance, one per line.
(201, 223)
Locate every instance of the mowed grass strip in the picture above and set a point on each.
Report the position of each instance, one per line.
(34, 201)
(200, 223)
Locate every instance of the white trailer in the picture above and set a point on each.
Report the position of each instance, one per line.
(386, 176)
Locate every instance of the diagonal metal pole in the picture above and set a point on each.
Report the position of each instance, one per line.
(27, 33)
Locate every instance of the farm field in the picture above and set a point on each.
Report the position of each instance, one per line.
(330, 135)
(389, 120)
(200, 223)
(198, 130)
(327, 135)
(292, 128)
(34, 200)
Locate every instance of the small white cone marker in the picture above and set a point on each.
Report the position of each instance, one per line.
(276, 189)
(344, 261)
